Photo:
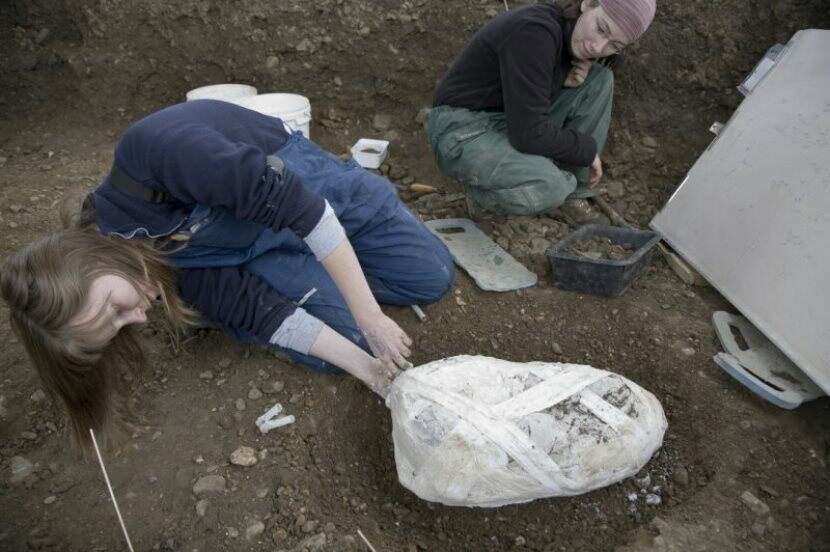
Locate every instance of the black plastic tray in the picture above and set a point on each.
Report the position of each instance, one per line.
(604, 277)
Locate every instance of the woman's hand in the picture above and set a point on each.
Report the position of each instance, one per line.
(336, 349)
(595, 172)
(387, 340)
(381, 377)
(578, 73)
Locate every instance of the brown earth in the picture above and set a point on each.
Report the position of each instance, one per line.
(76, 73)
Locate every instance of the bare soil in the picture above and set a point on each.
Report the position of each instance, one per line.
(603, 248)
(75, 73)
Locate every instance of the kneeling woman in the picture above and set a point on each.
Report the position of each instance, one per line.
(522, 115)
(219, 208)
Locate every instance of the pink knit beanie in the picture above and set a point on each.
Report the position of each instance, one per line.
(632, 16)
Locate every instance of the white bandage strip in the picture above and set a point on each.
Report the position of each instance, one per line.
(550, 392)
(603, 410)
(501, 432)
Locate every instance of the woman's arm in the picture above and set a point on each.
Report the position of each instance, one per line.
(336, 349)
(387, 340)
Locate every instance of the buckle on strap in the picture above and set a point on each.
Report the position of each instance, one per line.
(276, 163)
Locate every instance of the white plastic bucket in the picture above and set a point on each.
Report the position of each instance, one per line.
(224, 92)
(293, 109)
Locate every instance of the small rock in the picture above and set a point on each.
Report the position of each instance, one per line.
(653, 499)
(615, 189)
(769, 491)
(314, 543)
(225, 363)
(232, 532)
(28, 62)
(681, 477)
(632, 497)
(240, 404)
(382, 121)
(520, 541)
(644, 482)
(20, 468)
(206, 375)
(209, 484)
(556, 348)
(30, 435)
(687, 351)
(758, 506)
(42, 35)
(38, 396)
(244, 456)
(262, 492)
(397, 172)
(271, 62)
(273, 387)
(254, 394)
(649, 142)
(254, 530)
(61, 484)
(201, 507)
(759, 528)
(280, 535)
(304, 45)
(50, 499)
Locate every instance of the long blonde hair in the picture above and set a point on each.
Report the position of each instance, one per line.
(45, 285)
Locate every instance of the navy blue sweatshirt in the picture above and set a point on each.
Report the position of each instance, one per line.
(211, 153)
(517, 63)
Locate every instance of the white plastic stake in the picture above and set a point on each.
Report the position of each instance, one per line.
(274, 424)
(271, 413)
(419, 312)
(369, 544)
(112, 494)
(306, 297)
(269, 420)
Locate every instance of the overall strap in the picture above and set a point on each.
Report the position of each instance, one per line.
(122, 182)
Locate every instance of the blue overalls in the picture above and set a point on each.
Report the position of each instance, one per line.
(403, 262)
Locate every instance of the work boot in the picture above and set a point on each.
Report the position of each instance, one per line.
(578, 212)
(475, 212)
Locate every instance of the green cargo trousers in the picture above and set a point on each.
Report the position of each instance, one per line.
(473, 147)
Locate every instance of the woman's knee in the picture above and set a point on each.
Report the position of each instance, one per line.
(439, 277)
(602, 79)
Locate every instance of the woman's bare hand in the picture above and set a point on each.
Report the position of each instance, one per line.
(388, 342)
(578, 73)
(595, 173)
